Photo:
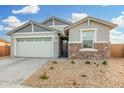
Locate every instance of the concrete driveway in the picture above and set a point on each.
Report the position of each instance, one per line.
(15, 70)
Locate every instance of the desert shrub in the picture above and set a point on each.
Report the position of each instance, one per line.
(72, 62)
(83, 75)
(51, 68)
(87, 62)
(94, 62)
(74, 83)
(97, 65)
(54, 62)
(104, 62)
(44, 76)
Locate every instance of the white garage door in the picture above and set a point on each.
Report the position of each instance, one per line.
(35, 47)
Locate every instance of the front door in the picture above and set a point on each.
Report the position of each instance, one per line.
(65, 48)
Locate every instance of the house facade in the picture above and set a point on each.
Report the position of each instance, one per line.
(54, 37)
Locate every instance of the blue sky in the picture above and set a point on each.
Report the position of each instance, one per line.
(14, 16)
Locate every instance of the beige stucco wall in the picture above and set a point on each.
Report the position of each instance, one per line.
(102, 33)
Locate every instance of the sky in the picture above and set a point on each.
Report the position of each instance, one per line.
(16, 15)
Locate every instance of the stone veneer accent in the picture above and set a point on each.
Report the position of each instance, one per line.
(102, 53)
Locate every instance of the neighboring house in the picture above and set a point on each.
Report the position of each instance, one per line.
(4, 48)
(88, 38)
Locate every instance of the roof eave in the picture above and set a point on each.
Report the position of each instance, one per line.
(112, 25)
(51, 29)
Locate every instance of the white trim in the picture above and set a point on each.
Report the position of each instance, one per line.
(102, 42)
(52, 46)
(15, 38)
(87, 49)
(58, 26)
(94, 29)
(32, 27)
(88, 22)
(94, 42)
(94, 37)
(92, 18)
(33, 36)
(15, 46)
(74, 42)
(53, 22)
(33, 32)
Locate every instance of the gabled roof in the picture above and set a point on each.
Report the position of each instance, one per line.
(111, 25)
(32, 22)
(57, 18)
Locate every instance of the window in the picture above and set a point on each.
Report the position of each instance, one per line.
(88, 39)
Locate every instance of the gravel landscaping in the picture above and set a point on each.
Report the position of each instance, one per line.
(78, 74)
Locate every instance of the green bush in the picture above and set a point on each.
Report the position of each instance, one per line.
(87, 62)
(44, 76)
(97, 65)
(54, 62)
(104, 62)
(72, 62)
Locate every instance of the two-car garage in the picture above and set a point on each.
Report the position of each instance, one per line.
(34, 40)
(34, 47)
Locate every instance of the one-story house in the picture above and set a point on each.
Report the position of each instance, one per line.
(88, 38)
(4, 48)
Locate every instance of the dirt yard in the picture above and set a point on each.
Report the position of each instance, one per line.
(78, 74)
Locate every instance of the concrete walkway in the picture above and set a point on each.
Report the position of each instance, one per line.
(15, 70)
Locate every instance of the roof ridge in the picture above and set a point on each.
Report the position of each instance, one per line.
(55, 17)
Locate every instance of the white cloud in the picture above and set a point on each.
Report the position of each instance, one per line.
(31, 9)
(114, 32)
(119, 20)
(1, 27)
(12, 22)
(78, 16)
(117, 37)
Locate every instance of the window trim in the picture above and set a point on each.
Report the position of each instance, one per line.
(94, 37)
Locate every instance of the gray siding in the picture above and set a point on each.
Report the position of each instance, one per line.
(57, 22)
(74, 33)
(49, 23)
(103, 33)
(60, 28)
(39, 29)
(25, 29)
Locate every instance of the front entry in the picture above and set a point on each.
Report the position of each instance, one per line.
(64, 47)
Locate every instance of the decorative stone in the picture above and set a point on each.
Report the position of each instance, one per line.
(102, 53)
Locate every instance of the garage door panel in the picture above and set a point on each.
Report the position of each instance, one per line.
(35, 47)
